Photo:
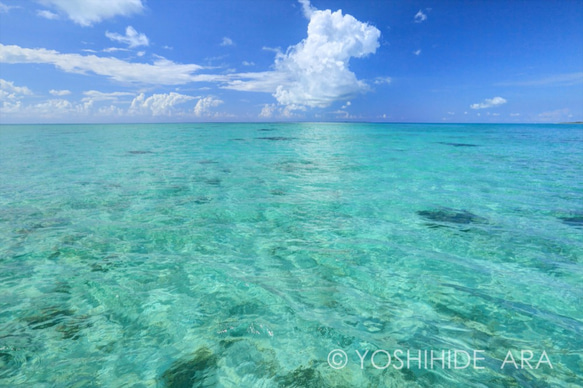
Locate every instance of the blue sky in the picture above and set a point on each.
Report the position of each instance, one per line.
(289, 60)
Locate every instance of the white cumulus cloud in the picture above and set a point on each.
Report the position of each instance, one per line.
(10, 107)
(204, 106)
(63, 92)
(97, 105)
(315, 72)
(95, 95)
(227, 42)
(307, 8)
(52, 108)
(267, 110)
(420, 17)
(49, 109)
(8, 91)
(281, 111)
(47, 14)
(345, 106)
(489, 103)
(131, 38)
(88, 12)
(157, 104)
(112, 49)
(382, 80)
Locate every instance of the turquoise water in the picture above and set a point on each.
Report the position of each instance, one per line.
(241, 255)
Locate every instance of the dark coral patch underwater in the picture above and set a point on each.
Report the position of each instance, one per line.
(576, 221)
(458, 144)
(198, 371)
(139, 152)
(275, 138)
(452, 216)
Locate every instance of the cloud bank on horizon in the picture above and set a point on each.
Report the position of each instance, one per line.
(339, 67)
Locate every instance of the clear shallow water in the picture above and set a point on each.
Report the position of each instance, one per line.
(243, 254)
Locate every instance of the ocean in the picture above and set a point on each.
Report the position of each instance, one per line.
(291, 255)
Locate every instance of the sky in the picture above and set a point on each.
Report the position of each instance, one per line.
(101, 61)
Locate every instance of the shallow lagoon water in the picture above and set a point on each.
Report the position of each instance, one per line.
(243, 254)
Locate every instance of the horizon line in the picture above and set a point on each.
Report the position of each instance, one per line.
(296, 122)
